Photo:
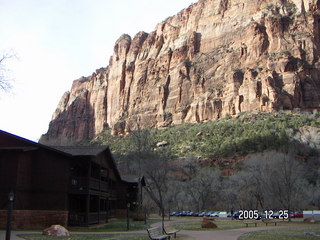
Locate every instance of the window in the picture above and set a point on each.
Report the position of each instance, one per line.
(74, 182)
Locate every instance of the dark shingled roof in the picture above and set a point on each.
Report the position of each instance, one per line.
(130, 178)
(133, 179)
(81, 150)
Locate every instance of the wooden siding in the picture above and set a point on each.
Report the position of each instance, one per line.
(50, 182)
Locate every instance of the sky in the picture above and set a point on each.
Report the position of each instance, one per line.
(56, 42)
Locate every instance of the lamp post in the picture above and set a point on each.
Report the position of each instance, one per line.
(9, 214)
(169, 209)
(145, 215)
(128, 207)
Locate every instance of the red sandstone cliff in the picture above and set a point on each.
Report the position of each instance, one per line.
(214, 58)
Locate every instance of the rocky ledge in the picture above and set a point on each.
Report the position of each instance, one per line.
(214, 58)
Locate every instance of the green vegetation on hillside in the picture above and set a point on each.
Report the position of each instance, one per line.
(257, 183)
(227, 137)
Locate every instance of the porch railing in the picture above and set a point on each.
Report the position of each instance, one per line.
(83, 185)
(79, 219)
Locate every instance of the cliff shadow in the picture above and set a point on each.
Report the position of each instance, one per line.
(74, 126)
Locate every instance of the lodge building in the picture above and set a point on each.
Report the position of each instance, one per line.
(77, 185)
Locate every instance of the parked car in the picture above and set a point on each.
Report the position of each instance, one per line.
(275, 215)
(196, 214)
(236, 215)
(222, 214)
(259, 216)
(187, 214)
(202, 214)
(296, 215)
(190, 214)
(207, 214)
(253, 216)
(183, 214)
(173, 214)
(214, 214)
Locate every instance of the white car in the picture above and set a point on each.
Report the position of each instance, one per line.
(223, 214)
(214, 214)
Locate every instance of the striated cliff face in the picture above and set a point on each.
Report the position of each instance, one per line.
(214, 58)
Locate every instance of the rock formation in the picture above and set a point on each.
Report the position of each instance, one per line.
(307, 136)
(207, 223)
(214, 58)
(56, 230)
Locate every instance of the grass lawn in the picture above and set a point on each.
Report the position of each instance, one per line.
(87, 237)
(223, 224)
(283, 234)
(117, 225)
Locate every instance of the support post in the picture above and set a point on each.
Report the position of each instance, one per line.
(145, 215)
(128, 207)
(99, 211)
(9, 215)
(87, 210)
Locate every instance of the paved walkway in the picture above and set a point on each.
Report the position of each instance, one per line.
(192, 235)
(233, 234)
(13, 235)
(223, 234)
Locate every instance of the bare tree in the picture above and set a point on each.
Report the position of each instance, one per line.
(316, 195)
(144, 160)
(241, 185)
(254, 180)
(156, 170)
(172, 199)
(5, 81)
(272, 180)
(203, 188)
(139, 147)
(287, 182)
(229, 194)
(189, 167)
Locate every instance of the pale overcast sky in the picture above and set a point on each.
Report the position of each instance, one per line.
(59, 41)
